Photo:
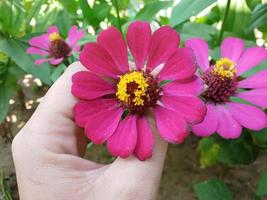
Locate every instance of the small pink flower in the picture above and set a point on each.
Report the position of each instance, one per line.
(224, 80)
(53, 46)
(113, 87)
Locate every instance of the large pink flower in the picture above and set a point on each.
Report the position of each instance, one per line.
(224, 81)
(116, 95)
(53, 46)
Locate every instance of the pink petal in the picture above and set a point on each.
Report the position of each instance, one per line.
(256, 96)
(192, 87)
(171, 125)
(248, 116)
(56, 61)
(122, 143)
(84, 109)
(102, 124)
(144, 145)
(258, 80)
(33, 50)
(41, 61)
(180, 65)
(75, 49)
(250, 58)
(52, 29)
(112, 40)
(138, 39)
(201, 51)
(96, 59)
(228, 127)
(74, 35)
(41, 41)
(210, 123)
(191, 107)
(86, 85)
(163, 44)
(232, 48)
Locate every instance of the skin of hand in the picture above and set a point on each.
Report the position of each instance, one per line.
(48, 155)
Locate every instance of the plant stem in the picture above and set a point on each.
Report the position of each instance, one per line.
(115, 3)
(224, 20)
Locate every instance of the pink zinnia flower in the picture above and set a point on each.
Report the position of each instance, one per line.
(223, 80)
(53, 46)
(115, 87)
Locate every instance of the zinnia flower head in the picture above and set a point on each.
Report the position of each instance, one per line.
(223, 80)
(115, 95)
(53, 46)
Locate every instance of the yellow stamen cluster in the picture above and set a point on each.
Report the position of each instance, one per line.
(140, 91)
(54, 36)
(225, 68)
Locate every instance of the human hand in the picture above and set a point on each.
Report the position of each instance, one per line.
(48, 155)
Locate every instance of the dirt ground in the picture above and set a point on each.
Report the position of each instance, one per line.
(181, 169)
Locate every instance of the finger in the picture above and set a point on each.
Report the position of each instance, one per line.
(52, 123)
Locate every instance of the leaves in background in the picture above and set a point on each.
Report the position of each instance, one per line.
(185, 9)
(93, 16)
(17, 51)
(259, 17)
(5, 94)
(57, 72)
(191, 30)
(11, 16)
(213, 189)
(64, 22)
(238, 18)
(262, 187)
(151, 9)
(71, 6)
(260, 138)
(238, 151)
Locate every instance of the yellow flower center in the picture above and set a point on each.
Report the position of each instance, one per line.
(132, 88)
(54, 36)
(225, 68)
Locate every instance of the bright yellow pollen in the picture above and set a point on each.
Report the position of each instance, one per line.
(54, 36)
(224, 67)
(139, 93)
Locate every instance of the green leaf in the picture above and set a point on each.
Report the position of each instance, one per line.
(151, 9)
(11, 16)
(93, 16)
(259, 17)
(57, 72)
(238, 18)
(209, 151)
(260, 138)
(46, 20)
(87, 38)
(185, 9)
(213, 189)
(34, 11)
(5, 94)
(237, 151)
(71, 6)
(262, 187)
(17, 51)
(191, 30)
(63, 22)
